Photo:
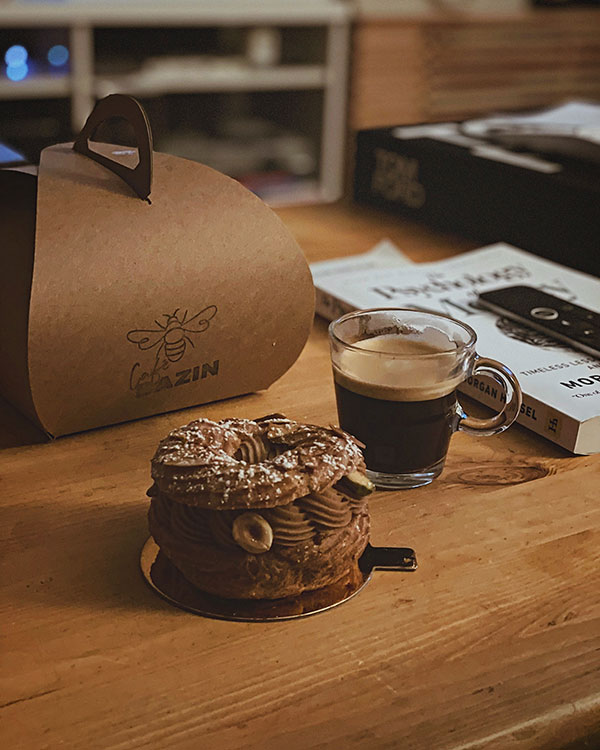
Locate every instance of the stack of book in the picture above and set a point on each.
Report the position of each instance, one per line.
(495, 179)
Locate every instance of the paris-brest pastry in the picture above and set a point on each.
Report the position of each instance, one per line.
(259, 509)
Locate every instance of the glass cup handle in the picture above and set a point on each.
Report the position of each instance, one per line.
(499, 422)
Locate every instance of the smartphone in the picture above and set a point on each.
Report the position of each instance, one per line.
(579, 327)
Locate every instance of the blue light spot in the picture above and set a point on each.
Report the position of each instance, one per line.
(17, 72)
(15, 56)
(58, 55)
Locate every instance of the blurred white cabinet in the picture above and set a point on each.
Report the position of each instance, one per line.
(224, 82)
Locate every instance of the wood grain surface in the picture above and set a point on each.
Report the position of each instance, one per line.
(493, 643)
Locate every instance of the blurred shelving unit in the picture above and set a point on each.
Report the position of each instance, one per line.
(254, 88)
(457, 63)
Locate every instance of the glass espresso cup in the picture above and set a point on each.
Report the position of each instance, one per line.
(396, 372)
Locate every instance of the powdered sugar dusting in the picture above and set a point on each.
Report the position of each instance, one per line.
(196, 464)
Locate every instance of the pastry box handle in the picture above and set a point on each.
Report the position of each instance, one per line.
(127, 108)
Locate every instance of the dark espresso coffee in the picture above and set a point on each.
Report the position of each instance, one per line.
(404, 410)
(399, 436)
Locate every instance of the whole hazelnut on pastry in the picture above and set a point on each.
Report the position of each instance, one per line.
(252, 532)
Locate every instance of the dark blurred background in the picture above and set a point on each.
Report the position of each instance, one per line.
(274, 92)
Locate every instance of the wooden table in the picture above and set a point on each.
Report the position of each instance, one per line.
(493, 643)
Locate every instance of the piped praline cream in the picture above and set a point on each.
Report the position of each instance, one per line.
(300, 521)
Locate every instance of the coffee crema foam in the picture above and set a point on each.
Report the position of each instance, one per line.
(408, 376)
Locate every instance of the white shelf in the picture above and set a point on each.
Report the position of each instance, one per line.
(211, 79)
(36, 87)
(140, 13)
(325, 71)
(307, 191)
(304, 192)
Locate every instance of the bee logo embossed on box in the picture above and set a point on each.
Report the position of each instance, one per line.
(170, 339)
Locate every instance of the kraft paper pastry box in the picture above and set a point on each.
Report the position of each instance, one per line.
(127, 292)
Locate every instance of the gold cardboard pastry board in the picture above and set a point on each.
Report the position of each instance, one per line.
(117, 308)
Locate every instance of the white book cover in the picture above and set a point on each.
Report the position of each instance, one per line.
(561, 386)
